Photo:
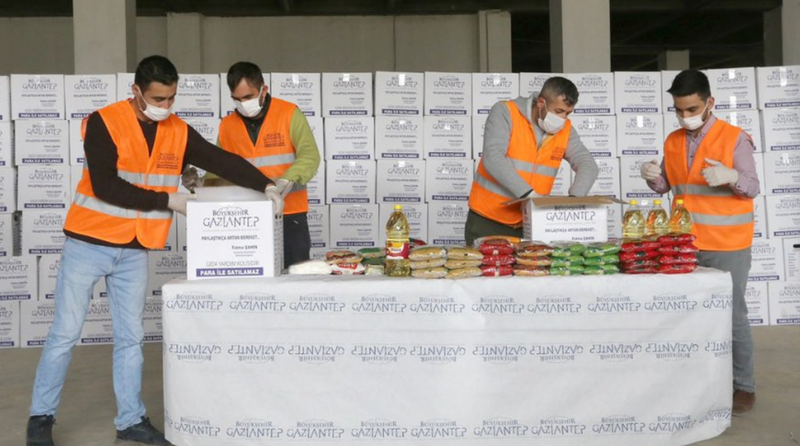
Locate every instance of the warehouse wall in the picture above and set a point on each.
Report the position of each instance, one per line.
(40, 45)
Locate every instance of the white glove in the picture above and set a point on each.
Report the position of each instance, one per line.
(177, 202)
(191, 179)
(718, 174)
(273, 194)
(651, 171)
(284, 187)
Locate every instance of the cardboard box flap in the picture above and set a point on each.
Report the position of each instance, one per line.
(561, 201)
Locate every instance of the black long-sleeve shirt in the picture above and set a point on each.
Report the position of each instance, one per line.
(101, 160)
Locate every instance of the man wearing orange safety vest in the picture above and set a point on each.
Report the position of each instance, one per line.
(525, 141)
(274, 136)
(123, 206)
(709, 164)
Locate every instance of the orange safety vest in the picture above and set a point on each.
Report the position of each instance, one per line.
(159, 171)
(723, 221)
(273, 152)
(537, 167)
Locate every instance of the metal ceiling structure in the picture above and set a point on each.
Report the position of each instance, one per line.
(718, 33)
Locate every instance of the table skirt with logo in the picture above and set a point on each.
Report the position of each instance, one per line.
(589, 360)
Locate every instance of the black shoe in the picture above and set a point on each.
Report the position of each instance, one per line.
(40, 430)
(144, 433)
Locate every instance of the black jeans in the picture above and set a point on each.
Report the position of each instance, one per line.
(479, 226)
(296, 239)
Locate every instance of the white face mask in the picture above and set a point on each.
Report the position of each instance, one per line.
(693, 122)
(551, 123)
(250, 108)
(154, 113)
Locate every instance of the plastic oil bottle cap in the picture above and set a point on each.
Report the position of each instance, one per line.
(657, 202)
(398, 207)
(634, 202)
(679, 201)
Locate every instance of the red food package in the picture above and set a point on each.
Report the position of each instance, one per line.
(494, 247)
(676, 239)
(499, 260)
(643, 245)
(637, 255)
(678, 258)
(641, 270)
(679, 268)
(641, 263)
(678, 249)
(496, 271)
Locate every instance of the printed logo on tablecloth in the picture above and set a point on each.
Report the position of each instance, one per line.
(194, 352)
(255, 353)
(316, 353)
(619, 424)
(438, 354)
(254, 429)
(498, 305)
(616, 351)
(317, 303)
(191, 425)
(556, 353)
(500, 427)
(718, 301)
(257, 303)
(378, 429)
(670, 303)
(671, 423)
(720, 349)
(613, 303)
(378, 353)
(557, 427)
(720, 413)
(438, 429)
(379, 303)
(672, 350)
(193, 301)
(437, 305)
(554, 305)
(500, 354)
(315, 430)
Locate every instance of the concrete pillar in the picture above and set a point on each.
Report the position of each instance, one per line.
(773, 41)
(105, 36)
(185, 41)
(790, 31)
(494, 41)
(580, 36)
(673, 60)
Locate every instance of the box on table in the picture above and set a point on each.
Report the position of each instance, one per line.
(197, 96)
(98, 328)
(448, 180)
(667, 77)
(124, 86)
(782, 172)
(399, 137)
(5, 99)
(9, 324)
(781, 130)
(87, 93)
(791, 259)
(49, 265)
(6, 144)
(596, 93)
(350, 181)
(448, 93)
(783, 215)
(416, 214)
(778, 87)
(747, 120)
(37, 96)
(225, 101)
(448, 137)
(447, 222)
(42, 231)
(640, 135)
(350, 138)
(346, 94)
(318, 130)
(398, 93)
(756, 296)
(598, 134)
(44, 187)
(319, 227)
(316, 187)
(767, 263)
(631, 182)
(354, 226)
(760, 217)
(163, 267)
(208, 128)
(478, 129)
(784, 303)
(530, 83)
(579, 219)
(8, 190)
(7, 229)
(490, 88)
(18, 278)
(301, 89)
(638, 92)
(41, 142)
(36, 318)
(733, 88)
(401, 181)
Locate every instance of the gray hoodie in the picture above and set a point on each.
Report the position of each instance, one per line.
(495, 146)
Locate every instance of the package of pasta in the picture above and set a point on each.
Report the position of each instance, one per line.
(342, 256)
(531, 271)
(427, 253)
(639, 245)
(676, 239)
(678, 258)
(567, 249)
(429, 273)
(637, 255)
(463, 273)
(457, 264)
(611, 259)
(499, 260)
(567, 261)
(374, 261)
(678, 249)
(601, 269)
(463, 253)
(533, 249)
(497, 271)
(641, 270)
(371, 253)
(563, 271)
(601, 249)
(347, 269)
(680, 268)
(641, 263)
(426, 264)
(534, 261)
(510, 239)
(495, 247)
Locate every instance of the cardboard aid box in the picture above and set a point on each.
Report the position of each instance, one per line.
(489, 88)
(153, 326)
(783, 215)
(87, 93)
(398, 93)
(97, 328)
(316, 187)
(530, 83)
(446, 223)
(747, 120)
(350, 138)
(37, 96)
(448, 93)
(598, 134)
(76, 153)
(350, 181)
(42, 231)
(667, 77)
(124, 86)
(5, 99)
(346, 94)
(8, 190)
(640, 135)
(638, 92)
(756, 296)
(398, 137)
(784, 303)
(447, 137)
(416, 214)
(631, 182)
(49, 265)
(401, 181)
(318, 130)
(354, 226)
(6, 144)
(782, 172)
(563, 180)
(163, 267)
(577, 219)
(18, 278)
(301, 89)
(596, 93)
(448, 180)
(227, 238)
(767, 263)
(607, 183)
(478, 129)
(208, 128)
(198, 96)
(9, 324)
(319, 227)
(733, 88)
(6, 235)
(760, 217)
(36, 317)
(778, 87)
(781, 130)
(44, 187)
(791, 259)
(41, 142)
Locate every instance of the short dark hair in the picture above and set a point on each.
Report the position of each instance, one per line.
(155, 69)
(245, 70)
(689, 82)
(558, 86)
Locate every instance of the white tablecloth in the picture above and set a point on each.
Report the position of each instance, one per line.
(600, 360)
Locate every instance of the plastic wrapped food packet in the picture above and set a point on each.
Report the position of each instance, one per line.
(498, 260)
(531, 271)
(567, 249)
(496, 247)
(641, 270)
(481, 240)
(601, 249)
(533, 249)
(374, 261)
(311, 267)
(568, 261)
(347, 269)
(429, 273)
(639, 245)
(678, 258)
(456, 264)
(463, 253)
(371, 253)
(427, 253)
(676, 239)
(680, 268)
(426, 264)
(374, 270)
(464, 273)
(638, 255)
(497, 271)
(641, 263)
(678, 249)
(342, 256)
(534, 261)
(611, 259)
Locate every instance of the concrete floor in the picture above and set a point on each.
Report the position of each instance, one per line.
(87, 404)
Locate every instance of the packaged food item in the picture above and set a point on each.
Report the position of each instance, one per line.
(415, 242)
(494, 247)
(429, 273)
(463, 273)
(641, 270)
(678, 249)
(611, 259)
(533, 249)
(562, 271)
(607, 269)
(497, 271)
(463, 253)
(347, 269)
(427, 253)
(639, 245)
(310, 268)
(534, 261)
(601, 249)
(681, 268)
(342, 256)
(531, 271)
(374, 270)
(593, 271)
(425, 264)
(374, 261)
(499, 260)
(641, 263)
(678, 258)
(481, 240)
(371, 253)
(676, 239)
(567, 261)
(567, 249)
(456, 264)
(637, 255)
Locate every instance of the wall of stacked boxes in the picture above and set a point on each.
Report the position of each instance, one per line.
(386, 138)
